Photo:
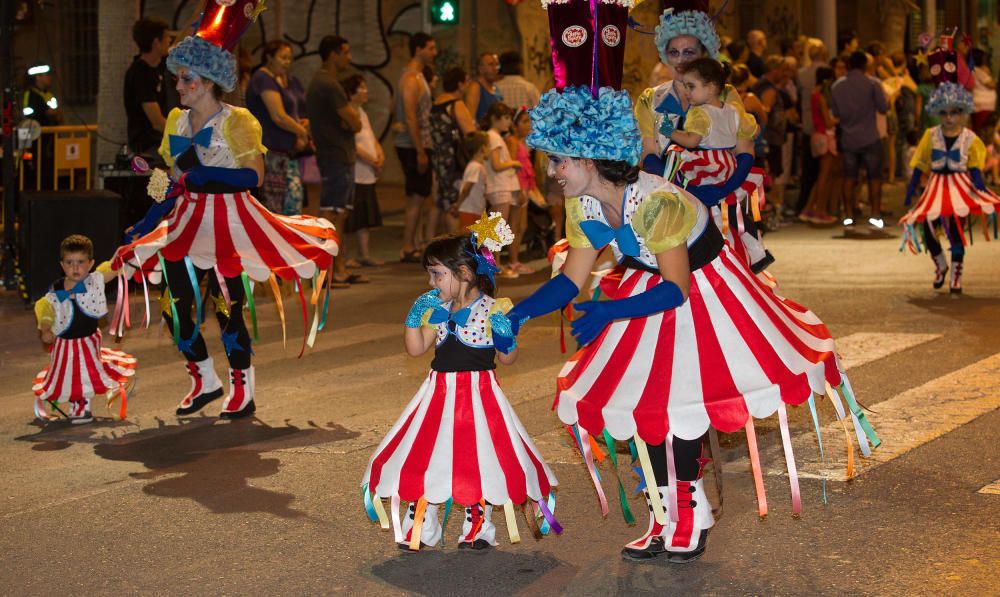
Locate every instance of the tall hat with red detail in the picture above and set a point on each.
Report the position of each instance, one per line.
(943, 64)
(587, 115)
(208, 52)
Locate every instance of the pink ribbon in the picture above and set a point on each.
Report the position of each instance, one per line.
(793, 475)
(671, 480)
(588, 456)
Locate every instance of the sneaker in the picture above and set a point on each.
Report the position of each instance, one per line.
(83, 419)
(876, 223)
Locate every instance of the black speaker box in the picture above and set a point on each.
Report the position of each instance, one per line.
(47, 217)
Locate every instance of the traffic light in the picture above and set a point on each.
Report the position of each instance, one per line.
(444, 12)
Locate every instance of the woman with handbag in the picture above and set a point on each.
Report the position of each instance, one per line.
(450, 121)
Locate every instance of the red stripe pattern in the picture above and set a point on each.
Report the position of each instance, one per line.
(951, 194)
(459, 438)
(81, 368)
(734, 349)
(236, 233)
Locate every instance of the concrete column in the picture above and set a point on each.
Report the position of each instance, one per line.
(826, 24)
(115, 51)
(930, 16)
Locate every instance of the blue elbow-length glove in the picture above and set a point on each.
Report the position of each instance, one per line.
(598, 314)
(426, 301)
(911, 188)
(554, 294)
(149, 221)
(977, 179)
(710, 195)
(243, 178)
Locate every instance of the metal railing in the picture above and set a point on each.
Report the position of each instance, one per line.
(71, 152)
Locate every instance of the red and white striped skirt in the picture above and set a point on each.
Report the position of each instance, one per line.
(81, 368)
(715, 166)
(951, 194)
(732, 350)
(459, 438)
(236, 233)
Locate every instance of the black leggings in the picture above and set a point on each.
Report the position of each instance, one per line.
(184, 293)
(950, 226)
(686, 455)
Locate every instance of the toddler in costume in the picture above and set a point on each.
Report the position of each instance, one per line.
(711, 130)
(459, 440)
(68, 318)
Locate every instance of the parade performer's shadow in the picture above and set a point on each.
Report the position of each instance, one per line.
(448, 571)
(963, 307)
(202, 459)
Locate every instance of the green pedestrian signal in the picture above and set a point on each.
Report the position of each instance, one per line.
(444, 12)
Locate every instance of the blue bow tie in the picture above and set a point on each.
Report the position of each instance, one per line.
(600, 234)
(63, 295)
(180, 143)
(953, 155)
(441, 315)
(670, 105)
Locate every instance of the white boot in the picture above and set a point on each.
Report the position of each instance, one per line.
(653, 543)
(940, 269)
(478, 531)
(239, 402)
(205, 386)
(694, 518)
(79, 412)
(956, 277)
(430, 530)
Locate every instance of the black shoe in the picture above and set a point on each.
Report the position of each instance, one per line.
(655, 548)
(406, 546)
(83, 419)
(478, 544)
(683, 557)
(199, 402)
(248, 410)
(763, 264)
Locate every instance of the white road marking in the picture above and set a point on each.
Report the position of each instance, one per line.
(864, 347)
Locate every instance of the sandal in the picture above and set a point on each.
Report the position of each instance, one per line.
(352, 279)
(410, 257)
(369, 262)
(352, 263)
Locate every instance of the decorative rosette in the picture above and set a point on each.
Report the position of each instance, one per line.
(158, 184)
(950, 95)
(688, 22)
(574, 124)
(490, 234)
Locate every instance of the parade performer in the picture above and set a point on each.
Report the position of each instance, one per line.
(690, 339)
(953, 156)
(686, 33)
(216, 228)
(459, 440)
(68, 318)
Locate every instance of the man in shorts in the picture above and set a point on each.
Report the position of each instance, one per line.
(413, 138)
(857, 98)
(333, 132)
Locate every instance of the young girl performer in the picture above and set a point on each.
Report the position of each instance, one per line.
(690, 338)
(68, 318)
(712, 129)
(217, 228)
(458, 439)
(954, 157)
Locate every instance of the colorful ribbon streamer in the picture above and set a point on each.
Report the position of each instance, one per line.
(793, 474)
(758, 477)
(647, 473)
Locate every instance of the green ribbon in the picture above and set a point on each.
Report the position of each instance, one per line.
(253, 310)
(622, 496)
(860, 415)
(173, 306)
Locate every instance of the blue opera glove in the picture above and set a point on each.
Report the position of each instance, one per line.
(711, 195)
(149, 221)
(977, 179)
(425, 302)
(911, 188)
(554, 294)
(244, 178)
(667, 126)
(503, 333)
(598, 314)
(654, 164)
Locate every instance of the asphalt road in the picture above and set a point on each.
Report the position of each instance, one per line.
(271, 505)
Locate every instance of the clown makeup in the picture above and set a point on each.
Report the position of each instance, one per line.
(450, 285)
(681, 50)
(569, 174)
(190, 86)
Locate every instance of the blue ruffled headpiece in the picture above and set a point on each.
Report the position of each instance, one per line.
(950, 95)
(689, 22)
(575, 124)
(206, 59)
